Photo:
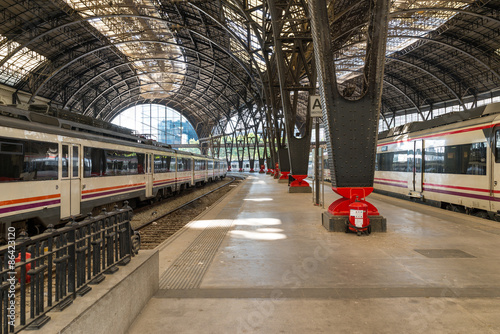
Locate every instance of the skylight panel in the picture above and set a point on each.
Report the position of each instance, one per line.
(245, 36)
(407, 21)
(18, 65)
(143, 32)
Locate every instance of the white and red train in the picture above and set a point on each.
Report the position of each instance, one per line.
(52, 169)
(452, 161)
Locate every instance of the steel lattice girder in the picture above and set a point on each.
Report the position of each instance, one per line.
(351, 124)
(296, 73)
(463, 48)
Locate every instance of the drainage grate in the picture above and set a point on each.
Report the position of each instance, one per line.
(443, 253)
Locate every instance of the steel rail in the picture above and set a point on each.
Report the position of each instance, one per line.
(183, 205)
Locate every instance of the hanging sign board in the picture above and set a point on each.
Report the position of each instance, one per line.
(315, 106)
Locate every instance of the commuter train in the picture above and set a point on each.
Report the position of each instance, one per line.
(52, 168)
(452, 161)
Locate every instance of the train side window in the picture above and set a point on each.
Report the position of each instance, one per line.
(434, 159)
(75, 161)
(418, 161)
(497, 146)
(474, 159)
(94, 162)
(140, 163)
(457, 159)
(27, 160)
(167, 162)
(172, 164)
(452, 160)
(65, 160)
(392, 161)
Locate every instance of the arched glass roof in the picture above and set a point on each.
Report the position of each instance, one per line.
(214, 60)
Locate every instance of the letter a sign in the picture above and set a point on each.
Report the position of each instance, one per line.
(315, 106)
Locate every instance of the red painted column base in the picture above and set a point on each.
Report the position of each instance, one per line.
(284, 175)
(299, 181)
(241, 170)
(341, 206)
(270, 171)
(228, 168)
(252, 170)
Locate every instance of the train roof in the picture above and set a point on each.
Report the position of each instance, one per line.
(39, 118)
(62, 119)
(446, 119)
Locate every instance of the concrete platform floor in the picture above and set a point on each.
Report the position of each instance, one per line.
(261, 262)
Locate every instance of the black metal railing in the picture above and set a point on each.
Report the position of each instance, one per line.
(48, 271)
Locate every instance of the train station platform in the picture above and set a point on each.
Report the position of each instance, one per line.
(260, 261)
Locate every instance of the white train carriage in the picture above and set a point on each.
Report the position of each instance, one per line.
(49, 173)
(452, 161)
(200, 171)
(165, 170)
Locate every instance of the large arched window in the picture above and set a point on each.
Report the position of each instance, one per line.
(161, 123)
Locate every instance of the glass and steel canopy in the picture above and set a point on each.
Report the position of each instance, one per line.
(213, 60)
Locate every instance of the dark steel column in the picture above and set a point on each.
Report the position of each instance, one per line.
(204, 148)
(240, 147)
(297, 77)
(215, 147)
(270, 148)
(352, 126)
(252, 148)
(228, 147)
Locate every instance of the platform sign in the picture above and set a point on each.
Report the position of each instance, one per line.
(315, 106)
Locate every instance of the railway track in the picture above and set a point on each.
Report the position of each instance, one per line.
(158, 223)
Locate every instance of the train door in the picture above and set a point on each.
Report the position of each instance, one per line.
(192, 161)
(70, 180)
(206, 171)
(495, 175)
(416, 170)
(417, 180)
(149, 175)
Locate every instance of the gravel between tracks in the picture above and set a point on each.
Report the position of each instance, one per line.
(161, 229)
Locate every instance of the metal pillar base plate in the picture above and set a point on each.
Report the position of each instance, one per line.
(338, 223)
(302, 190)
